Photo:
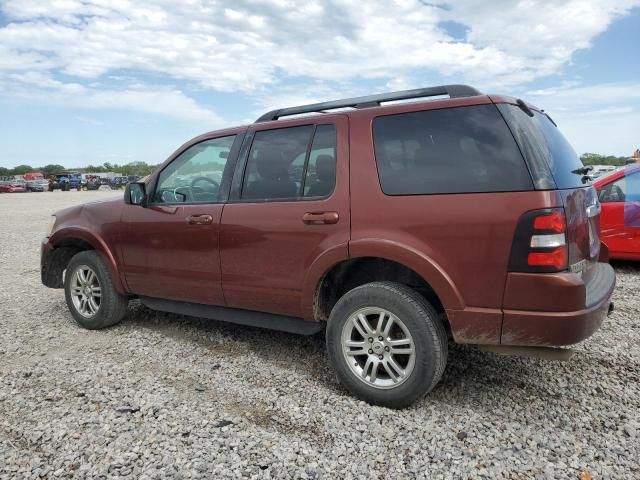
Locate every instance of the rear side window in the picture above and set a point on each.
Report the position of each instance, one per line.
(455, 150)
(550, 156)
(291, 163)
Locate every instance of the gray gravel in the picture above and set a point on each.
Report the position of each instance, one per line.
(166, 396)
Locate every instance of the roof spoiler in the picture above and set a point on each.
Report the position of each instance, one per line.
(454, 91)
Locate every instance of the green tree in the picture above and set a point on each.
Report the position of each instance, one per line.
(597, 159)
(21, 170)
(51, 169)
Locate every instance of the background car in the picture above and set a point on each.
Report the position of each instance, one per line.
(619, 194)
(34, 186)
(65, 181)
(12, 187)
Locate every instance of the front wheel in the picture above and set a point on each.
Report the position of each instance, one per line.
(386, 344)
(91, 297)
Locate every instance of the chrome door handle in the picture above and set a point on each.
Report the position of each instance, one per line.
(320, 218)
(200, 220)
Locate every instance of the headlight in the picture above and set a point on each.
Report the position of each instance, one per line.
(52, 222)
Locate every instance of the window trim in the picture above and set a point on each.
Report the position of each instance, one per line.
(231, 163)
(237, 185)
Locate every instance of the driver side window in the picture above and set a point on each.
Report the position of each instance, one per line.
(196, 174)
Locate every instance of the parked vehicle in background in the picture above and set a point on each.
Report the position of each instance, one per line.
(386, 225)
(65, 181)
(619, 194)
(35, 186)
(33, 176)
(119, 182)
(12, 186)
(91, 182)
(598, 171)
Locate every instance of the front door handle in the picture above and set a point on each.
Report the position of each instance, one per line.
(200, 220)
(320, 218)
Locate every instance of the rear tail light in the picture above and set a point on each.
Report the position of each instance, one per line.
(540, 244)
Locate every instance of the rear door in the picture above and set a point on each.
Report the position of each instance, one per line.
(289, 204)
(556, 166)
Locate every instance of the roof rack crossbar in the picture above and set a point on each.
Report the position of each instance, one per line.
(454, 91)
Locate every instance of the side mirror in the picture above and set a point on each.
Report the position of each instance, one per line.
(135, 194)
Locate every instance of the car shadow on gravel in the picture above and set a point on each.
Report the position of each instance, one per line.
(233, 340)
(472, 377)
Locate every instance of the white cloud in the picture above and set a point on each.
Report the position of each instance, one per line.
(250, 44)
(39, 87)
(101, 53)
(596, 118)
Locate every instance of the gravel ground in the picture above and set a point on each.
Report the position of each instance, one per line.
(167, 396)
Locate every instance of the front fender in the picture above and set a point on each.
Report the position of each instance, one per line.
(65, 236)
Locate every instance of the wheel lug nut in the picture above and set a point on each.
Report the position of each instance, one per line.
(370, 339)
(380, 338)
(370, 351)
(380, 357)
(386, 349)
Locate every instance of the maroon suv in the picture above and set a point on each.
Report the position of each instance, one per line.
(390, 225)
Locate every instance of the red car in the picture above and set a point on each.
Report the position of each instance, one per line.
(12, 187)
(619, 195)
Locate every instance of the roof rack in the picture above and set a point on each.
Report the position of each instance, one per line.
(454, 91)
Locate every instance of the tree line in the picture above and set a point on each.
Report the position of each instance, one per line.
(597, 159)
(133, 168)
(142, 169)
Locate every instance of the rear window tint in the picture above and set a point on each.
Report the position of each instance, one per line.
(550, 156)
(454, 150)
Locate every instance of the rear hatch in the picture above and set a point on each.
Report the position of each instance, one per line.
(554, 165)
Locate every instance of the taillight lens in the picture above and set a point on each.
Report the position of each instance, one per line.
(553, 221)
(556, 258)
(539, 244)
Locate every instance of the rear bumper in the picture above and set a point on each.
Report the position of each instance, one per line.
(556, 309)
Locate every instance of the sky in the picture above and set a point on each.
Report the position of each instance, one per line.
(93, 81)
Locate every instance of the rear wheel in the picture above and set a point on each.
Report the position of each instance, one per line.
(386, 344)
(91, 297)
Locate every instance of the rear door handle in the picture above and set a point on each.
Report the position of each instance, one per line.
(320, 218)
(200, 220)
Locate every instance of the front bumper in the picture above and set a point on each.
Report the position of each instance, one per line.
(555, 309)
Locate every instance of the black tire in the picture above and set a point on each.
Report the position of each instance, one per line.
(421, 320)
(112, 307)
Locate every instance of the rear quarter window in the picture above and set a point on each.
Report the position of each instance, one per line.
(455, 150)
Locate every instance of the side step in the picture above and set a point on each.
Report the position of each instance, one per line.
(544, 353)
(236, 315)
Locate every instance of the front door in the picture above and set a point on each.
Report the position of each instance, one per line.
(170, 249)
(289, 204)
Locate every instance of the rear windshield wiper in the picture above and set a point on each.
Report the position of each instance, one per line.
(582, 170)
